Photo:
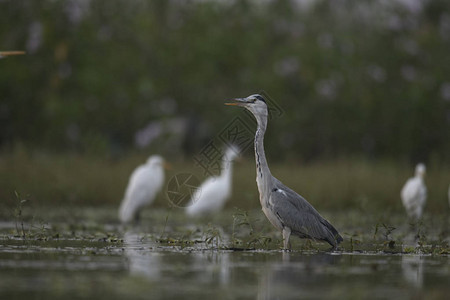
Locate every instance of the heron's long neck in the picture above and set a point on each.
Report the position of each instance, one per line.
(262, 169)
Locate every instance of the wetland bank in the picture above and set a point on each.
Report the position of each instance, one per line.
(70, 252)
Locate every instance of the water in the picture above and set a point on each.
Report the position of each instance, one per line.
(83, 259)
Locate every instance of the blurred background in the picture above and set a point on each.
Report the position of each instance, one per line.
(364, 88)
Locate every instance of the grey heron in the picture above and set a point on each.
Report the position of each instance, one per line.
(211, 196)
(145, 182)
(414, 193)
(286, 210)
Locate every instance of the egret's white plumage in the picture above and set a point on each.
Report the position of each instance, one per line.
(414, 193)
(145, 182)
(211, 196)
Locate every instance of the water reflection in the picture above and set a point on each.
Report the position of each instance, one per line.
(285, 276)
(215, 266)
(200, 271)
(268, 273)
(412, 270)
(151, 260)
(141, 261)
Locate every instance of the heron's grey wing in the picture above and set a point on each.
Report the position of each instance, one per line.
(300, 216)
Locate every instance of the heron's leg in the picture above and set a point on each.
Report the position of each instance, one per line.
(333, 248)
(286, 235)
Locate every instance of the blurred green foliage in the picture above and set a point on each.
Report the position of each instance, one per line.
(354, 77)
(83, 180)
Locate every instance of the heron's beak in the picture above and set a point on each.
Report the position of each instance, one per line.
(238, 102)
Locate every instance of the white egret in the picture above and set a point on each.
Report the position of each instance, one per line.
(145, 182)
(286, 210)
(414, 193)
(210, 197)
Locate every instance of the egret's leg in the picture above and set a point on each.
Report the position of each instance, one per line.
(418, 212)
(286, 235)
(137, 218)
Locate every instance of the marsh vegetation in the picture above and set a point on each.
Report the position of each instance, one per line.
(84, 252)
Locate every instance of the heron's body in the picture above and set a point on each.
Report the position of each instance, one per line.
(145, 182)
(212, 195)
(286, 210)
(414, 194)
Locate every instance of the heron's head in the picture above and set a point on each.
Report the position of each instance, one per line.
(254, 103)
(420, 170)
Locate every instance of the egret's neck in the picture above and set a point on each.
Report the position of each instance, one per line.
(227, 168)
(262, 168)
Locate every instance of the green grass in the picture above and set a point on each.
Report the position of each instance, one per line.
(72, 179)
